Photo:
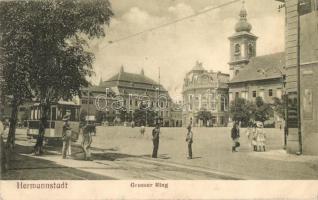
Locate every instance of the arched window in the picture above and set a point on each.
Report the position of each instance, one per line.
(224, 103)
(250, 50)
(237, 72)
(237, 49)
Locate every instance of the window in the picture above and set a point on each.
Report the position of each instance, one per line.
(250, 50)
(270, 92)
(84, 101)
(279, 93)
(190, 102)
(237, 49)
(53, 113)
(237, 94)
(136, 103)
(90, 101)
(254, 93)
(305, 7)
(223, 104)
(130, 102)
(231, 96)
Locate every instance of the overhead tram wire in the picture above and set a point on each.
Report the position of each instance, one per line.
(170, 23)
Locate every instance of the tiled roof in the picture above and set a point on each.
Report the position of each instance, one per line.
(262, 68)
(130, 77)
(130, 80)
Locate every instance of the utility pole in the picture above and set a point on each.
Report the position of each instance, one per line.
(88, 102)
(299, 4)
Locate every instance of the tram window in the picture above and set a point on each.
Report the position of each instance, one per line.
(73, 114)
(54, 113)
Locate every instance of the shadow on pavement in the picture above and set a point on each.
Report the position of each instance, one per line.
(161, 156)
(23, 167)
(110, 156)
(100, 149)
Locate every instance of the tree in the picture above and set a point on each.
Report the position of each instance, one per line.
(15, 64)
(241, 110)
(262, 111)
(279, 106)
(45, 42)
(204, 115)
(144, 117)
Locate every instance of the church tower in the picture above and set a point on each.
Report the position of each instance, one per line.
(242, 44)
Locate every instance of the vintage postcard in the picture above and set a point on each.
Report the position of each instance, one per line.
(159, 99)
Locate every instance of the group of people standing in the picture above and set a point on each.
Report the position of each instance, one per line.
(155, 139)
(87, 131)
(255, 134)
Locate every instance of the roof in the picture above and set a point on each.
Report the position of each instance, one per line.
(130, 77)
(262, 68)
(243, 33)
(69, 103)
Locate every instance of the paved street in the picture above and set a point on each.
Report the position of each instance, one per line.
(122, 153)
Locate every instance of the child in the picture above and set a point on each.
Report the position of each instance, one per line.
(261, 137)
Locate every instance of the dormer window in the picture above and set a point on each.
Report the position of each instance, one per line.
(237, 49)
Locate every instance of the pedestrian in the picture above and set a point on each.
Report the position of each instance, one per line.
(142, 130)
(38, 148)
(261, 137)
(189, 140)
(87, 130)
(254, 138)
(2, 148)
(66, 135)
(155, 140)
(249, 133)
(235, 135)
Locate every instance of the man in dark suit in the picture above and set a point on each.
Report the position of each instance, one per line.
(189, 140)
(155, 140)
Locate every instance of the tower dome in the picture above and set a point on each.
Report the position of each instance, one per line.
(243, 24)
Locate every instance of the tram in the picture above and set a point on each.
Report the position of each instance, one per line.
(54, 127)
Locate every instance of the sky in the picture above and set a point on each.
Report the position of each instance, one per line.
(176, 48)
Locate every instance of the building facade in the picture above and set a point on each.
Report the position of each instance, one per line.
(205, 91)
(251, 75)
(125, 92)
(302, 50)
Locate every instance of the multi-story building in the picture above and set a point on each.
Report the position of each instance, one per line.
(205, 91)
(176, 114)
(302, 54)
(126, 91)
(252, 75)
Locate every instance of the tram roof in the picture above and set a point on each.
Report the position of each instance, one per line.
(69, 103)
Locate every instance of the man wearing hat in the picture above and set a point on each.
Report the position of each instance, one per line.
(155, 140)
(66, 135)
(87, 131)
(189, 140)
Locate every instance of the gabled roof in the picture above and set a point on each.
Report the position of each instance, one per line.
(262, 68)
